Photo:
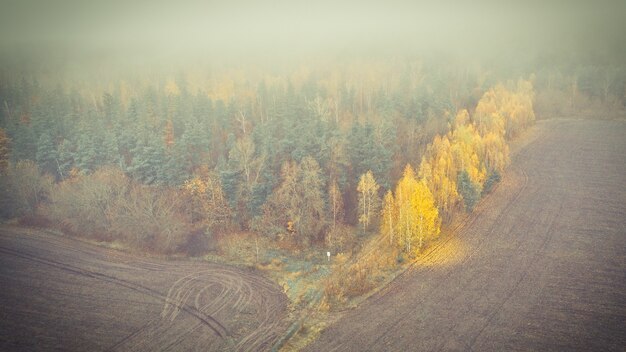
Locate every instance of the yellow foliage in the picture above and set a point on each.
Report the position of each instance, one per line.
(221, 88)
(505, 112)
(439, 171)
(171, 88)
(477, 145)
(500, 114)
(208, 202)
(466, 146)
(368, 198)
(418, 217)
(125, 91)
(299, 76)
(389, 218)
(427, 221)
(488, 116)
(496, 152)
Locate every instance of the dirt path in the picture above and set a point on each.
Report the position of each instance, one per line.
(62, 294)
(541, 265)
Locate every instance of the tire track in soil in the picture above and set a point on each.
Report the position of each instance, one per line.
(207, 320)
(518, 282)
(548, 234)
(207, 297)
(235, 292)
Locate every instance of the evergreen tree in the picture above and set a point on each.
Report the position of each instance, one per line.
(24, 143)
(368, 150)
(46, 156)
(468, 190)
(66, 158)
(195, 142)
(86, 154)
(261, 191)
(109, 153)
(111, 107)
(148, 160)
(334, 156)
(176, 169)
(311, 203)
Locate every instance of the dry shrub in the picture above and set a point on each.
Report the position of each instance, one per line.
(199, 242)
(557, 103)
(245, 246)
(150, 219)
(341, 238)
(551, 102)
(83, 205)
(108, 206)
(324, 305)
(354, 277)
(34, 220)
(22, 188)
(289, 243)
(349, 279)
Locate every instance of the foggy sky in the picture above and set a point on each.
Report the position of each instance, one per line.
(281, 27)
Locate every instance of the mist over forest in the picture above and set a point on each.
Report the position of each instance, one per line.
(171, 92)
(167, 92)
(513, 35)
(306, 154)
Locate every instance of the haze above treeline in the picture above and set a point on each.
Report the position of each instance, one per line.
(66, 34)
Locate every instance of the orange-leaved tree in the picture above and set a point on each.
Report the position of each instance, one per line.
(207, 202)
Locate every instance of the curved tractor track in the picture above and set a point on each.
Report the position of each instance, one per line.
(539, 266)
(63, 294)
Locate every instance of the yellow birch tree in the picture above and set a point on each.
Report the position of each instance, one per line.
(389, 217)
(404, 191)
(426, 223)
(368, 199)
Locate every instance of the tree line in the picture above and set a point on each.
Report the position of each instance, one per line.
(456, 170)
(303, 155)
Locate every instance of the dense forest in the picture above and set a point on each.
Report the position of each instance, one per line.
(315, 155)
(224, 174)
(214, 132)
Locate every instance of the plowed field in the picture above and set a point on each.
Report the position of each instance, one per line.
(539, 266)
(57, 293)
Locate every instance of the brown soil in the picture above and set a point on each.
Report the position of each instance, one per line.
(58, 293)
(540, 265)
